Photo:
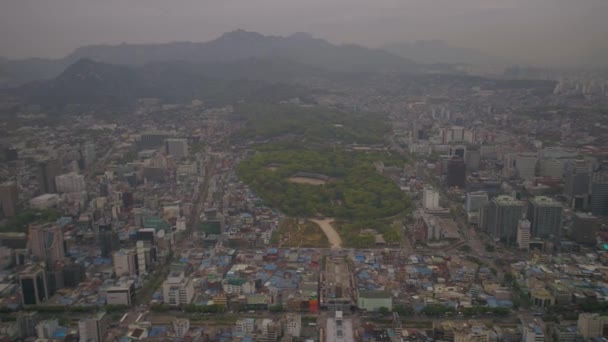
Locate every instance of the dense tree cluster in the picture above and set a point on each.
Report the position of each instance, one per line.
(357, 191)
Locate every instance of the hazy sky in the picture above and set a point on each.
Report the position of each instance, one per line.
(551, 31)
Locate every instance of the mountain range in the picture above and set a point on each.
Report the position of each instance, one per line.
(438, 51)
(239, 45)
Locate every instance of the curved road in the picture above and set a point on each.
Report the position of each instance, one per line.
(332, 235)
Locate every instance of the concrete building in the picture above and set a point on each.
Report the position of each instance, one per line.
(339, 329)
(34, 289)
(125, 262)
(293, 325)
(545, 215)
(46, 242)
(70, 182)
(374, 300)
(47, 171)
(599, 195)
(121, 295)
(178, 289)
(591, 325)
(9, 196)
(523, 234)
(552, 168)
(45, 329)
(89, 156)
(430, 198)
(94, 329)
(177, 148)
(521, 165)
(44, 201)
(472, 160)
(584, 228)
(533, 333)
(503, 217)
(181, 327)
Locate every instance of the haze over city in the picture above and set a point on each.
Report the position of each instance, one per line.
(541, 32)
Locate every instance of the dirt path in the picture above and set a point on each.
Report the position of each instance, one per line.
(332, 235)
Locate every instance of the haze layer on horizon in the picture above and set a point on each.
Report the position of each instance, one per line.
(541, 32)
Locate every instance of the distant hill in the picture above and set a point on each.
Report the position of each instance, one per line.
(300, 48)
(90, 83)
(437, 51)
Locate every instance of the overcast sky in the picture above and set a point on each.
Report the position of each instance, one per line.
(541, 31)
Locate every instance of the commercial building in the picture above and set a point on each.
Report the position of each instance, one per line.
(521, 165)
(46, 242)
(47, 171)
(339, 329)
(32, 281)
(125, 262)
(503, 217)
(577, 183)
(46, 328)
(430, 198)
(9, 196)
(584, 228)
(476, 200)
(177, 148)
(456, 173)
(545, 217)
(293, 325)
(552, 168)
(599, 195)
(374, 300)
(70, 182)
(44, 201)
(94, 329)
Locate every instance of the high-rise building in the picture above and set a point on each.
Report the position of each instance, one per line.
(584, 228)
(476, 200)
(503, 216)
(46, 328)
(591, 325)
(47, 171)
(456, 173)
(577, 183)
(181, 327)
(88, 154)
(32, 282)
(70, 182)
(599, 195)
(523, 234)
(94, 329)
(177, 148)
(552, 168)
(9, 195)
(545, 217)
(125, 262)
(472, 160)
(521, 165)
(46, 242)
(430, 198)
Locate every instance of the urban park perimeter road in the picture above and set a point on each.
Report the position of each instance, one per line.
(332, 235)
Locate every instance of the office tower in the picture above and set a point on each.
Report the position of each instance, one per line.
(9, 195)
(472, 160)
(45, 329)
(584, 228)
(458, 151)
(152, 140)
(545, 217)
(525, 165)
(552, 168)
(47, 171)
(430, 199)
(70, 182)
(577, 184)
(503, 216)
(107, 238)
(46, 242)
(177, 148)
(87, 151)
(73, 275)
(125, 262)
(523, 234)
(181, 327)
(27, 322)
(476, 200)
(94, 329)
(33, 285)
(599, 195)
(456, 175)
